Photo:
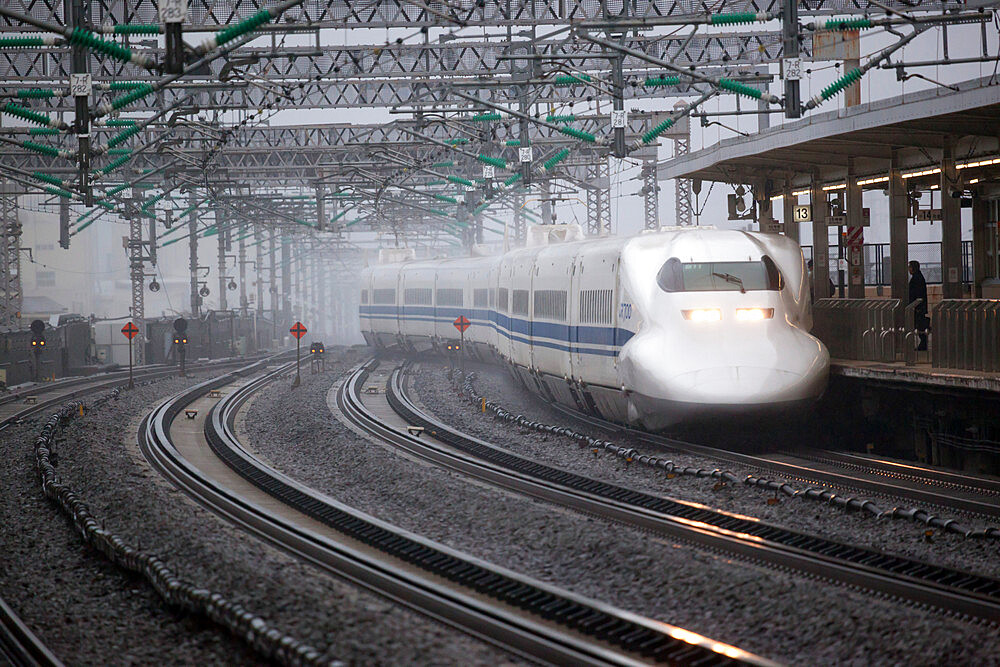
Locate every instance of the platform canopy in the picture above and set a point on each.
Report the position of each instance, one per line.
(915, 126)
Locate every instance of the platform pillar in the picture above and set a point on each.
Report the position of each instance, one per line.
(788, 202)
(855, 219)
(821, 241)
(951, 228)
(899, 248)
(982, 240)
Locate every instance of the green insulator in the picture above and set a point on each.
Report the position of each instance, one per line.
(87, 39)
(457, 141)
(494, 161)
(485, 117)
(123, 136)
(443, 164)
(556, 159)
(658, 130)
(105, 204)
(120, 151)
(115, 190)
(841, 83)
(439, 212)
(119, 122)
(42, 130)
(40, 148)
(656, 81)
(740, 88)
(170, 242)
(59, 192)
(249, 25)
(848, 23)
(27, 114)
(578, 134)
(115, 164)
(564, 118)
(137, 94)
(513, 179)
(571, 80)
(450, 200)
(435, 183)
(138, 29)
(512, 142)
(733, 19)
(482, 207)
(84, 226)
(20, 42)
(36, 93)
(461, 181)
(47, 178)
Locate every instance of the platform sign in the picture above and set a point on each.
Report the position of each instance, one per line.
(130, 331)
(802, 213)
(298, 330)
(855, 237)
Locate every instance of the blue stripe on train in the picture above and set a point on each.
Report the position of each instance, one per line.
(509, 327)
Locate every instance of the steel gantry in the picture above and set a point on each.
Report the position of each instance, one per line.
(11, 296)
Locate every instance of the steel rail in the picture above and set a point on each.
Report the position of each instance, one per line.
(18, 644)
(553, 625)
(790, 470)
(734, 534)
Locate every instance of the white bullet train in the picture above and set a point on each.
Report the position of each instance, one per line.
(668, 327)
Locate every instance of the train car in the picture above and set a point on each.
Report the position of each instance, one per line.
(665, 327)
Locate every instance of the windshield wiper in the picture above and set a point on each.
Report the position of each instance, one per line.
(731, 279)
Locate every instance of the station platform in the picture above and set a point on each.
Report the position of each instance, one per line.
(922, 375)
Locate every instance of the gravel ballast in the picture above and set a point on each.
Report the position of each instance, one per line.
(779, 615)
(893, 536)
(88, 612)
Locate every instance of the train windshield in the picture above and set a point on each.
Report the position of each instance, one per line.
(678, 276)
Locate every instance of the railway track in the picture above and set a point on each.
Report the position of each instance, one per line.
(975, 496)
(935, 586)
(526, 617)
(18, 644)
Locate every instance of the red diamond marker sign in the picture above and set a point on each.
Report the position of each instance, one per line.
(461, 323)
(298, 330)
(130, 330)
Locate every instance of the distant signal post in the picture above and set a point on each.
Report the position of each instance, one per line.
(298, 330)
(129, 331)
(462, 323)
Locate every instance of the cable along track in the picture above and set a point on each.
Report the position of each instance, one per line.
(936, 586)
(526, 617)
(18, 644)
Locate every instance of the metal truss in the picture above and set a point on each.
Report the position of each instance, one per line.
(313, 14)
(11, 296)
(682, 186)
(599, 200)
(650, 196)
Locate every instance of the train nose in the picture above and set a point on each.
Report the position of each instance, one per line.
(736, 385)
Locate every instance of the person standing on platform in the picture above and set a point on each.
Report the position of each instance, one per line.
(918, 290)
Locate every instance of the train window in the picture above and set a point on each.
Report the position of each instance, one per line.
(480, 298)
(519, 302)
(595, 306)
(493, 297)
(550, 304)
(386, 296)
(364, 296)
(502, 299)
(450, 296)
(417, 296)
(677, 276)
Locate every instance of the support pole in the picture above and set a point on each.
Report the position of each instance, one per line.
(855, 220)
(651, 196)
(682, 186)
(193, 257)
(242, 257)
(137, 273)
(790, 44)
(981, 239)
(11, 296)
(788, 202)
(899, 248)
(259, 269)
(951, 227)
(220, 223)
(286, 281)
(821, 241)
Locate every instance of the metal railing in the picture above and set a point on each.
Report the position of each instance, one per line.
(862, 329)
(966, 334)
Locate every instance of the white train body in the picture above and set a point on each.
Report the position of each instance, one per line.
(652, 330)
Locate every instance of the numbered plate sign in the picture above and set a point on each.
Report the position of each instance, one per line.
(803, 213)
(619, 119)
(524, 154)
(173, 11)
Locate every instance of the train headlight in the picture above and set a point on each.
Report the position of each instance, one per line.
(754, 314)
(702, 314)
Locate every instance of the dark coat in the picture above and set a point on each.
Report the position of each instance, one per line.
(918, 290)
